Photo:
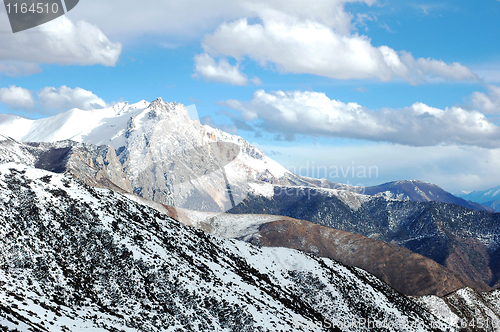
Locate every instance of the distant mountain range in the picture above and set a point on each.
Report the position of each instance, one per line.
(419, 191)
(489, 198)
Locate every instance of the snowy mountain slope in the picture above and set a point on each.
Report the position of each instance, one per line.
(466, 308)
(77, 258)
(407, 272)
(13, 151)
(231, 226)
(100, 127)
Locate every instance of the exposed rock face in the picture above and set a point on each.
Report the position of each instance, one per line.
(95, 165)
(157, 156)
(73, 257)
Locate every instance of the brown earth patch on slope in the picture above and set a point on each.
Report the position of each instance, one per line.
(404, 270)
(470, 258)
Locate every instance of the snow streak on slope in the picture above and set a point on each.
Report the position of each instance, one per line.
(93, 260)
(13, 151)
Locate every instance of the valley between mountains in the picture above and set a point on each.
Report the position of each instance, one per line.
(137, 218)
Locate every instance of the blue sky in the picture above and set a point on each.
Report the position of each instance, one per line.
(409, 87)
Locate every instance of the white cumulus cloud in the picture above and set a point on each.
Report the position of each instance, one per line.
(206, 67)
(314, 114)
(190, 18)
(65, 98)
(311, 47)
(57, 42)
(17, 97)
(490, 102)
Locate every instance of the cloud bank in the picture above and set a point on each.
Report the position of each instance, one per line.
(310, 47)
(58, 42)
(452, 167)
(64, 98)
(17, 98)
(50, 99)
(309, 113)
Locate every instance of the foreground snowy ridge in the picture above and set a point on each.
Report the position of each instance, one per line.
(76, 258)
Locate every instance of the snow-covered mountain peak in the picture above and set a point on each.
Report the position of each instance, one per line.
(171, 109)
(140, 104)
(150, 140)
(97, 126)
